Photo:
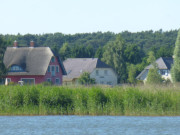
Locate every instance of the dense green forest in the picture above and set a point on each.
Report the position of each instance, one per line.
(130, 48)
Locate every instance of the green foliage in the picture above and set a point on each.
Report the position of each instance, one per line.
(85, 79)
(134, 54)
(153, 76)
(2, 66)
(47, 83)
(115, 57)
(148, 39)
(99, 53)
(65, 51)
(53, 100)
(132, 74)
(151, 58)
(89, 45)
(175, 72)
(163, 51)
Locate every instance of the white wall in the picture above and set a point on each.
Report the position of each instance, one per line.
(105, 76)
(166, 76)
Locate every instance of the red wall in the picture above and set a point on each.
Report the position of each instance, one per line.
(57, 75)
(41, 78)
(38, 78)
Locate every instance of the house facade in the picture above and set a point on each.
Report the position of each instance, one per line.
(164, 67)
(101, 72)
(33, 65)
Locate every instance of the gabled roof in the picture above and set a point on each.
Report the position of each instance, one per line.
(76, 66)
(163, 63)
(34, 61)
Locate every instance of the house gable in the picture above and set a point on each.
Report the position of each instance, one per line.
(104, 76)
(164, 66)
(54, 71)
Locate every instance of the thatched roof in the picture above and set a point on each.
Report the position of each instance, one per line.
(34, 61)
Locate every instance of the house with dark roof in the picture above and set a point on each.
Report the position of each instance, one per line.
(102, 72)
(164, 65)
(33, 65)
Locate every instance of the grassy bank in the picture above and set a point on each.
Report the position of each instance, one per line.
(54, 100)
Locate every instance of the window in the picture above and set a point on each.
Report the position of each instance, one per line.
(28, 80)
(105, 72)
(16, 68)
(48, 79)
(57, 68)
(97, 72)
(101, 82)
(49, 69)
(57, 81)
(163, 72)
(53, 70)
(109, 83)
(53, 59)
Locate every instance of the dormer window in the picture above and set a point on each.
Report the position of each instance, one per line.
(53, 59)
(16, 68)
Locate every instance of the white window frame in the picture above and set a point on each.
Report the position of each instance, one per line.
(16, 68)
(53, 73)
(49, 69)
(57, 69)
(28, 78)
(57, 79)
(53, 59)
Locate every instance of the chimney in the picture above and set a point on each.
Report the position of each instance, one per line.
(15, 44)
(32, 44)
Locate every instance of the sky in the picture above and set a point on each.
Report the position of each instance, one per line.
(87, 16)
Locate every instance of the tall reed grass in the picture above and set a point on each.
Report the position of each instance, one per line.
(79, 100)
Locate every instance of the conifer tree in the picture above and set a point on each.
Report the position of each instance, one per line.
(175, 70)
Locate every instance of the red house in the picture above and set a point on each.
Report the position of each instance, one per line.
(33, 65)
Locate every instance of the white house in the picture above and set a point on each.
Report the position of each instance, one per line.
(164, 66)
(102, 72)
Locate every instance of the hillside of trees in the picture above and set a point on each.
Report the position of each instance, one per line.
(131, 49)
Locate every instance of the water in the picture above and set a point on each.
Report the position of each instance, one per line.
(88, 125)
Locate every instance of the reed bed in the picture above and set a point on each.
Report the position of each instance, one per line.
(95, 100)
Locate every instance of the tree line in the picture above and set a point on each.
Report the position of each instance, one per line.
(126, 52)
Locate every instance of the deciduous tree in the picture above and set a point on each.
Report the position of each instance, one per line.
(2, 67)
(85, 79)
(153, 76)
(115, 57)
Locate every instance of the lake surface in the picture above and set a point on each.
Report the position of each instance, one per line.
(89, 125)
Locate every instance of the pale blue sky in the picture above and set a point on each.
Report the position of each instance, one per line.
(81, 16)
